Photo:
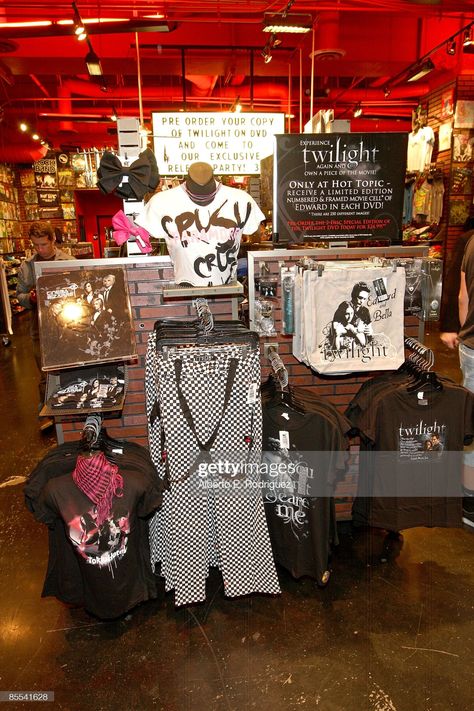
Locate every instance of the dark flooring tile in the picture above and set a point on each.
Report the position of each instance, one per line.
(394, 636)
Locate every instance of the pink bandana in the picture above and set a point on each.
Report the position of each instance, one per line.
(100, 481)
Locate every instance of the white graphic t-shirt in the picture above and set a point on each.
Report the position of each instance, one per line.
(203, 241)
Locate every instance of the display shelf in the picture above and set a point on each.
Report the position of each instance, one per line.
(190, 291)
(12, 266)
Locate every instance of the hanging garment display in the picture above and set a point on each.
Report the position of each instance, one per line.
(96, 508)
(351, 319)
(420, 148)
(125, 229)
(132, 182)
(205, 432)
(414, 425)
(203, 240)
(304, 449)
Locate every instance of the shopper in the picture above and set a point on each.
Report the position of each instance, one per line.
(449, 319)
(43, 241)
(466, 357)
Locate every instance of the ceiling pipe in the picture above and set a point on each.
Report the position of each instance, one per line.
(65, 107)
(86, 88)
(397, 92)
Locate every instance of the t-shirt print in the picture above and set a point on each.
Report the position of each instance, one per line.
(104, 545)
(422, 440)
(203, 241)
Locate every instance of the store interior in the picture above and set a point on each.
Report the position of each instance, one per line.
(368, 608)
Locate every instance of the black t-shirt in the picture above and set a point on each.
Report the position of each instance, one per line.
(415, 467)
(106, 569)
(302, 453)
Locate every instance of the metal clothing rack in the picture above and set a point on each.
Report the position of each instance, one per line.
(424, 355)
(204, 314)
(91, 431)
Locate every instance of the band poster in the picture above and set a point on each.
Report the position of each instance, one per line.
(339, 186)
(84, 317)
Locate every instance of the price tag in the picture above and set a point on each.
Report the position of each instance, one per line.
(252, 394)
(284, 439)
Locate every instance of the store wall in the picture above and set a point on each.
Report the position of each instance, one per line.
(94, 212)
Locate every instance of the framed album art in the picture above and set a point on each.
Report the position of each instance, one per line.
(85, 317)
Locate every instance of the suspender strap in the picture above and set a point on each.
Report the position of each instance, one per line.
(204, 447)
(185, 409)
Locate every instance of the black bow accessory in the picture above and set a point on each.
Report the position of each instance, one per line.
(142, 175)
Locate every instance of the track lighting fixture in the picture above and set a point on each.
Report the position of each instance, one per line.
(266, 54)
(357, 110)
(424, 64)
(275, 41)
(281, 22)
(420, 70)
(451, 46)
(387, 91)
(468, 41)
(79, 27)
(24, 128)
(93, 64)
(114, 115)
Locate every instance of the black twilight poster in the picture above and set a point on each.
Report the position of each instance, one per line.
(85, 317)
(339, 186)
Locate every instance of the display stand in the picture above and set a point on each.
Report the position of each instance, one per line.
(339, 389)
(153, 295)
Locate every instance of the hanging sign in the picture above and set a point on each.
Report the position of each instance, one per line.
(339, 186)
(233, 143)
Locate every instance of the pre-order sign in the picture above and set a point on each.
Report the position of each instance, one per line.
(233, 143)
(339, 186)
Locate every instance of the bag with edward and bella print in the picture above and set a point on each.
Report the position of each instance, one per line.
(358, 320)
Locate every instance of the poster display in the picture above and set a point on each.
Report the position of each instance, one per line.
(45, 171)
(85, 317)
(464, 114)
(48, 198)
(339, 186)
(233, 143)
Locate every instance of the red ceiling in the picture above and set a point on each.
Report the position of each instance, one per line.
(214, 55)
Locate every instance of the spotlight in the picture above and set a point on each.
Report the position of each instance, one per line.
(420, 70)
(283, 22)
(114, 115)
(357, 110)
(23, 127)
(468, 41)
(451, 47)
(267, 57)
(79, 28)
(35, 137)
(387, 91)
(275, 41)
(94, 66)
